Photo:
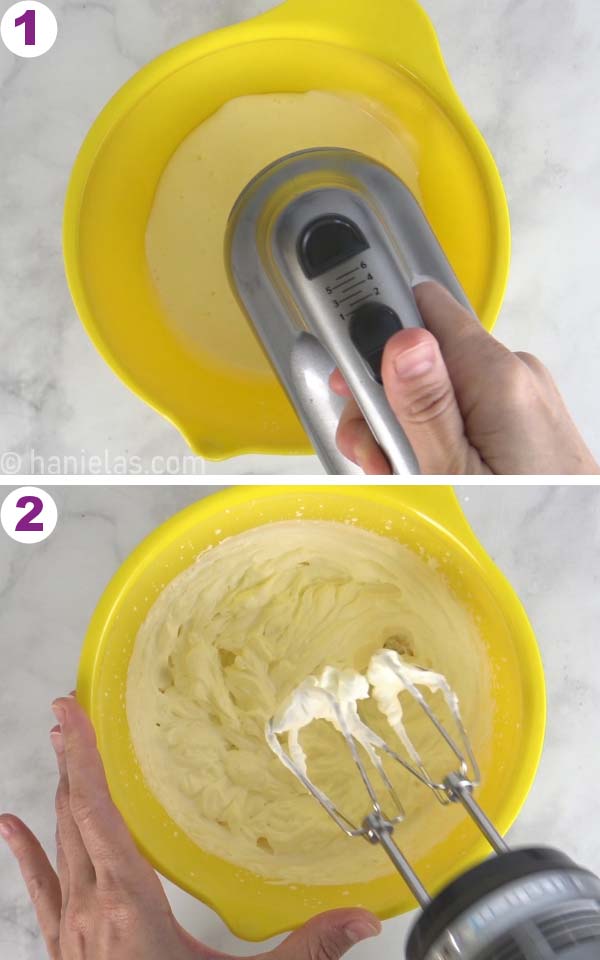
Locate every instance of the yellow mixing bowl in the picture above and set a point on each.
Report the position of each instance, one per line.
(428, 520)
(386, 50)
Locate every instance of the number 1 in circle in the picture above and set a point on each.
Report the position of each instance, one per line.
(28, 19)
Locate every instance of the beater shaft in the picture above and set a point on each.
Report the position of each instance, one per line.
(380, 830)
(460, 790)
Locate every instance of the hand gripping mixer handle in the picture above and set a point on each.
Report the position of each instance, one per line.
(312, 359)
(324, 248)
(357, 352)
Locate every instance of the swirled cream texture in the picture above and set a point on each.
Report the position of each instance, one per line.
(230, 639)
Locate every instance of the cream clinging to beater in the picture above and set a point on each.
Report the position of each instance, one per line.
(335, 696)
(531, 904)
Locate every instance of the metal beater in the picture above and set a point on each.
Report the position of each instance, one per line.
(530, 904)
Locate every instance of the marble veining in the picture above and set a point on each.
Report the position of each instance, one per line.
(528, 72)
(546, 540)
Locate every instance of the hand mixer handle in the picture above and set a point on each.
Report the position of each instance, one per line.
(320, 411)
(306, 376)
(311, 364)
(358, 353)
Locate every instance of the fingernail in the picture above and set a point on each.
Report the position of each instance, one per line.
(361, 452)
(59, 712)
(416, 362)
(56, 739)
(6, 829)
(360, 930)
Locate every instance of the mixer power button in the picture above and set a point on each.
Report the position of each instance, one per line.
(370, 329)
(328, 242)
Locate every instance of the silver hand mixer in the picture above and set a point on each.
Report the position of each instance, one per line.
(529, 904)
(324, 249)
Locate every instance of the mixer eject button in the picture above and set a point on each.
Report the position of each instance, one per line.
(328, 242)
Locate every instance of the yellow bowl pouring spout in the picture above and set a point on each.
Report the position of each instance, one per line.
(385, 50)
(430, 522)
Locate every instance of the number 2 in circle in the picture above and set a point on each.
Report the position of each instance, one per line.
(28, 19)
(25, 524)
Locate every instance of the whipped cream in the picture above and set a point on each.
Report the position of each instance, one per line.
(335, 695)
(228, 641)
(390, 676)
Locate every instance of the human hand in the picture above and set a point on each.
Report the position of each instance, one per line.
(466, 403)
(105, 902)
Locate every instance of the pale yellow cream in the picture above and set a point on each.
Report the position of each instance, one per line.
(229, 640)
(185, 238)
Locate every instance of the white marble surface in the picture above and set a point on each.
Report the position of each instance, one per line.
(547, 540)
(529, 74)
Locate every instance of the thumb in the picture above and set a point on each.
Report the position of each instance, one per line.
(328, 936)
(421, 394)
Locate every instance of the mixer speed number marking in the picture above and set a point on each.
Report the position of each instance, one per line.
(350, 288)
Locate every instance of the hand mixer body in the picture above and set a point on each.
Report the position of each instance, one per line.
(324, 249)
(522, 905)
